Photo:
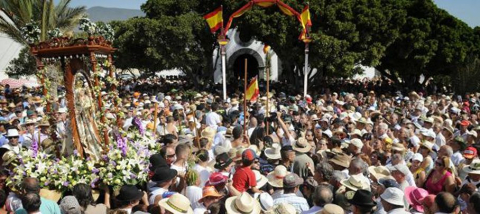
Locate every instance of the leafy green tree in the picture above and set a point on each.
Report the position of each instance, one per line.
(23, 65)
(432, 42)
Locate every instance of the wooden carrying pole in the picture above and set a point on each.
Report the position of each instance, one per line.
(245, 100)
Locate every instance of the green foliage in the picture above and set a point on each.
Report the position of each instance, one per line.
(49, 16)
(23, 65)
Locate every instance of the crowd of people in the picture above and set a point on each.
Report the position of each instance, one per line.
(333, 152)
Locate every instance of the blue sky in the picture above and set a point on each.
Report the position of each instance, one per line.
(466, 10)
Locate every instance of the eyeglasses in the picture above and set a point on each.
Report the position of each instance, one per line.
(439, 163)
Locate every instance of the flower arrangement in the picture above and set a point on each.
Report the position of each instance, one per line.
(87, 26)
(40, 166)
(106, 31)
(55, 33)
(31, 32)
(125, 163)
(72, 170)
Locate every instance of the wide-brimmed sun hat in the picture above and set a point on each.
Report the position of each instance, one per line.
(361, 198)
(473, 168)
(415, 196)
(379, 172)
(355, 182)
(12, 133)
(242, 204)
(275, 178)
(393, 195)
(261, 179)
(176, 204)
(332, 209)
(163, 174)
(273, 152)
(209, 191)
(265, 200)
(301, 145)
(341, 159)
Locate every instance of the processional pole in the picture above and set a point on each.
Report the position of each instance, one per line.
(245, 99)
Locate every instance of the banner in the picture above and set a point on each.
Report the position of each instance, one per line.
(215, 19)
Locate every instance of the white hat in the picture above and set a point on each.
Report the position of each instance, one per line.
(379, 172)
(393, 195)
(161, 105)
(261, 179)
(273, 152)
(243, 203)
(473, 168)
(401, 168)
(177, 107)
(357, 143)
(12, 133)
(265, 199)
(417, 157)
(429, 133)
(275, 178)
(177, 204)
(168, 98)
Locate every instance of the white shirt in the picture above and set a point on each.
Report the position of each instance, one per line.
(313, 210)
(457, 158)
(194, 193)
(154, 192)
(212, 119)
(204, 174)
(200, 210)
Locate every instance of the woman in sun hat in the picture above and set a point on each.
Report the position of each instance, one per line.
(415, 196)
(176, 204)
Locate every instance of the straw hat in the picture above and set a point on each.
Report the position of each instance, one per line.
(356, 132)
(208, 133)
(332, 209)
(473, 168)
(428, 145)
(355, 182)
(37, 99)
(242, 204)
(261, 179)
(379, 172)
(43, 122)
(176, 204)
(275, 178)
(341, 159)
(301, 145)
(273, 152)
(282, 208)
(398, 147)
(8, 157)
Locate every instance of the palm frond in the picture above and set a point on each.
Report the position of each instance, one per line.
(11, 31)
(68, 18)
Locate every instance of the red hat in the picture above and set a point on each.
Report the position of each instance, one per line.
(465, 123)
(216, 178)
(470, 152)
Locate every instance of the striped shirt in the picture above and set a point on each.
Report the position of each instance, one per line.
(299, 203)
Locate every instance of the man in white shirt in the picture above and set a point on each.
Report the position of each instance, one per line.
(213, 119)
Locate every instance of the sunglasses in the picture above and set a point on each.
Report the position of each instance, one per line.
(439, 163)
(13, 138)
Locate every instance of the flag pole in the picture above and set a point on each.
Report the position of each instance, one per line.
(245, 100)
(305, 81)
(155, 116)
(268, 85)
(223, 51)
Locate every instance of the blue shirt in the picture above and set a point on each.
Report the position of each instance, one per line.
(47, 207)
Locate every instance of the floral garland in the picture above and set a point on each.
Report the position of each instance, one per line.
(31, 32)
(55, 33)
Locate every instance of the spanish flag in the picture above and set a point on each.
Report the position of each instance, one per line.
(306, 22)
(252, 90)
(215, 19)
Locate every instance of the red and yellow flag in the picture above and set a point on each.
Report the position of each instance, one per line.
(215, 19)
(252, 90)
(306, 22)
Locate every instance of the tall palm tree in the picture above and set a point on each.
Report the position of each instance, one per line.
(44, 12)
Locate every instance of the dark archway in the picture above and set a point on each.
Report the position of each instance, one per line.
(239, 67)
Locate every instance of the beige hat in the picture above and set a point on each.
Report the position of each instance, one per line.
(473, 168)
(355, 182)
(341, 159)
(331, 209)
(379, 172)
(242, 204)
(301, 145)
(8, 157)
(275, 178)
(282, 208)
(356, 132)
(177, 204)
